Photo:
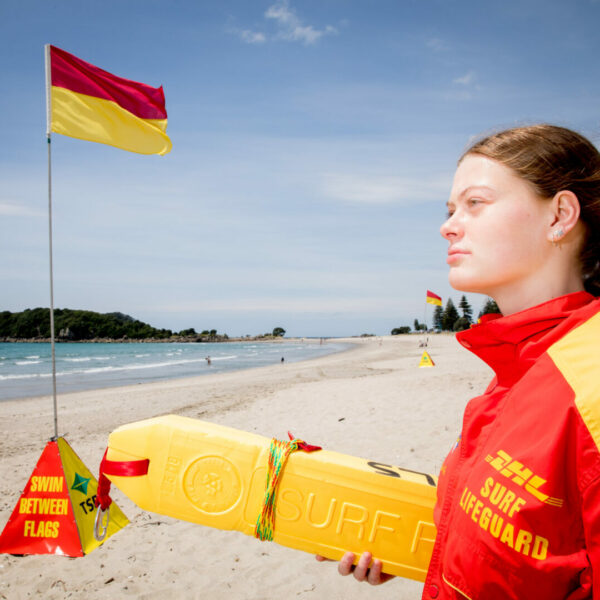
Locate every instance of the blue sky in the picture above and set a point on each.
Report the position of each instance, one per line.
(314, 144)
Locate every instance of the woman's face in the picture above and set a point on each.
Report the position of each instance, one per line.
(497, 229)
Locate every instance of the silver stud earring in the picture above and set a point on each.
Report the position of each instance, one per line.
(557, 235)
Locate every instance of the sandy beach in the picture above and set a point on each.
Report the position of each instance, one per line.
(371, 401)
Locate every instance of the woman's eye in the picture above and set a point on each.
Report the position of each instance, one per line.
(474, 201)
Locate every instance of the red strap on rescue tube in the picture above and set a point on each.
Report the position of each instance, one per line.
(303, 445)
(122, 468)
(125, 468)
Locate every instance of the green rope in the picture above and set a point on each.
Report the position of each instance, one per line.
(278, 454)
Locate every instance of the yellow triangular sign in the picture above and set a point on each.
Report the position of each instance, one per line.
(426, 360)
(82, 499)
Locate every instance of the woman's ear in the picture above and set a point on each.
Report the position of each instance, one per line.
(565, 213)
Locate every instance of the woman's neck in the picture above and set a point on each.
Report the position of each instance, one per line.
(516, 300)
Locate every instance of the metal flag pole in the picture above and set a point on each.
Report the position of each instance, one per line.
(48, 122)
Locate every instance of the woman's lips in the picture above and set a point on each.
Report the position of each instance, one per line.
(455, 254)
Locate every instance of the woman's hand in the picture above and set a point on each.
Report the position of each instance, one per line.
(363, 570)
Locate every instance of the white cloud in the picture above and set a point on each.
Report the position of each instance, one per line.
(288, 27)
(382, 189)
(466, 79)
(253, 37)
(282, 13)
(9, 209)
(291, 28)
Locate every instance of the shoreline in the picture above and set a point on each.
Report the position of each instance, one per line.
(174, 340)
(171, 340)
(371, 401)
(178, 381)
(82, 386)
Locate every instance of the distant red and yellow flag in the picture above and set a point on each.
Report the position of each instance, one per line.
(432, 298)
(91, 104)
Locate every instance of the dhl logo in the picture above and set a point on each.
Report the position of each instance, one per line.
(521, 475)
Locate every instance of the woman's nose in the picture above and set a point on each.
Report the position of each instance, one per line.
(445, 228)
(450, 228)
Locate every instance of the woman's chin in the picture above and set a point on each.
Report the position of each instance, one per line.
(457, 280)
(461, 282)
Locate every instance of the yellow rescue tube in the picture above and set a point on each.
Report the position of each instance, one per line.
(327, 503)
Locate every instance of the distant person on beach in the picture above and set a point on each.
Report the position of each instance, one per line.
(208, 361)
(282, 359)
(518, 509)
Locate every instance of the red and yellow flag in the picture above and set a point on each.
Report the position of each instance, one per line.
(91, 104)
(432, 298)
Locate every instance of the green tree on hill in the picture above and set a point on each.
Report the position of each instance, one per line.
(187, 332)
(419, 326)
(467, 311)
(76, 325)
(400, 330)
(464, 322)
(450, 316)
(489, 307)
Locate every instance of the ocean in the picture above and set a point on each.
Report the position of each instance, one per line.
(26, 369)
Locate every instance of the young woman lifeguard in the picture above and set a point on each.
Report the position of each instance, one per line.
(518, 511)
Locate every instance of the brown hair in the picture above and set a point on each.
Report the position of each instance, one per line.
(552, 159)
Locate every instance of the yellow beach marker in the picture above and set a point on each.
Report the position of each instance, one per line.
(326, 503)
(55, 513)
(426, 361)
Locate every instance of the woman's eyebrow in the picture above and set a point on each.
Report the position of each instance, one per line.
(471, 188)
